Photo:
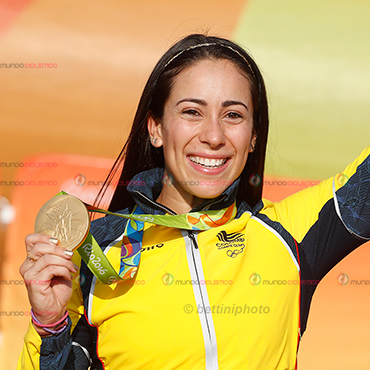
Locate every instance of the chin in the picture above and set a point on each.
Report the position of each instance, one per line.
(208, 192)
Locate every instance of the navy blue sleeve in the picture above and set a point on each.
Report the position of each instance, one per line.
(342, 226)
(55, 350)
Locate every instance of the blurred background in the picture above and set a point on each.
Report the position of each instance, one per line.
(65, 117)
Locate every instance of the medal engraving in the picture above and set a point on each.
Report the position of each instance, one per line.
(66, 218)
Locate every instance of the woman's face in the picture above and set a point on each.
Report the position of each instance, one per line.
(206, 131)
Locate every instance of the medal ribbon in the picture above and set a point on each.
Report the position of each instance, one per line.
(99, 264)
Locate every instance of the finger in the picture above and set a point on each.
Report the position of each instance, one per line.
(53, 260)
(40, 249)
(44, 278)
(33, 239)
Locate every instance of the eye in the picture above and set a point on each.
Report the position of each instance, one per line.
(234, 115)
(191, 112)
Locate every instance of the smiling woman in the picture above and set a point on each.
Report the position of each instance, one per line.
(192, 169)
(215, 87)
(206, 132)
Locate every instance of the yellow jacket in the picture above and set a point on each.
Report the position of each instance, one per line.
(233, 297)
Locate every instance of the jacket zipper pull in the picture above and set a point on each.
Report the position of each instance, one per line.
(192, 237)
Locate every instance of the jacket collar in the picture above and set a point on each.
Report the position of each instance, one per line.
(146, 186)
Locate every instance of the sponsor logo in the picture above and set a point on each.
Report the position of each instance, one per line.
(234, 243)
(159, 245)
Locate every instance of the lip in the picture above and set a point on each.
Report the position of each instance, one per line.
(209, 171)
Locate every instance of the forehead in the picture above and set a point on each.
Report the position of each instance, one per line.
(215, 78)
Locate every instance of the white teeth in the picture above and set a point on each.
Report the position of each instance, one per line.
(206, 162)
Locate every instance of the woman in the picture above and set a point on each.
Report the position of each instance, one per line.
(197, 300)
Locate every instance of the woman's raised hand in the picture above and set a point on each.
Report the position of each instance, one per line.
(47, 275)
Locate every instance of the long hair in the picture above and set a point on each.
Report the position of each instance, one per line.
(139, 155)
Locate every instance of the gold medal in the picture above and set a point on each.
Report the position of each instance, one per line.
(66, 218)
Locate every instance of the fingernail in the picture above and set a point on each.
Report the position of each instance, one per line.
(54, 241)
(68, 253)
(75, 266)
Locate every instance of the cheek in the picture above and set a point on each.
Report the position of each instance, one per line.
(177, 135)
(241, 141)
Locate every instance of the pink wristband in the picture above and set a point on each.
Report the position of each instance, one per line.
(38, 323)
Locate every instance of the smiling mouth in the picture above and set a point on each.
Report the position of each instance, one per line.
(208, 163)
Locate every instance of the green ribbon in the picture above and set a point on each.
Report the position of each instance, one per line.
(99, 264)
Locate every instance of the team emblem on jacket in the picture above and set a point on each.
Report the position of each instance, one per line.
(234, 243)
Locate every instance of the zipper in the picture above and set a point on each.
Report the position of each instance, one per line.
(202, 300)
(192, 237)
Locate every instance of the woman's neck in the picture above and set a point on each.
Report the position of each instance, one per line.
(178, 202)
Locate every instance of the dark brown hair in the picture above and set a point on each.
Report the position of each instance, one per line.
(139, 155)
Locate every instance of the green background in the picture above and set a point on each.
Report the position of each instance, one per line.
(315, 58)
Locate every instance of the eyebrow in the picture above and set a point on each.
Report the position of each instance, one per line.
(228, 103)
(225, 104)
(197, 101)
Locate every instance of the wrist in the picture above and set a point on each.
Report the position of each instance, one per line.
(49, 329)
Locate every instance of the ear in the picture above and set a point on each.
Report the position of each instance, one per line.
(252, 145)
(155, 131)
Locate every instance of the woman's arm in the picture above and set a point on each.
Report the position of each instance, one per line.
(331, 219)
(42, 351)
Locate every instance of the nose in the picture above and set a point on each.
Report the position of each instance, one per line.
(212, 132)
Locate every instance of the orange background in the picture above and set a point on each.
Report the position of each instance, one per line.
(78, 116)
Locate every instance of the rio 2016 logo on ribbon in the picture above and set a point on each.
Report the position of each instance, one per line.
(255, 279)
(343, 279)
(167, 279)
